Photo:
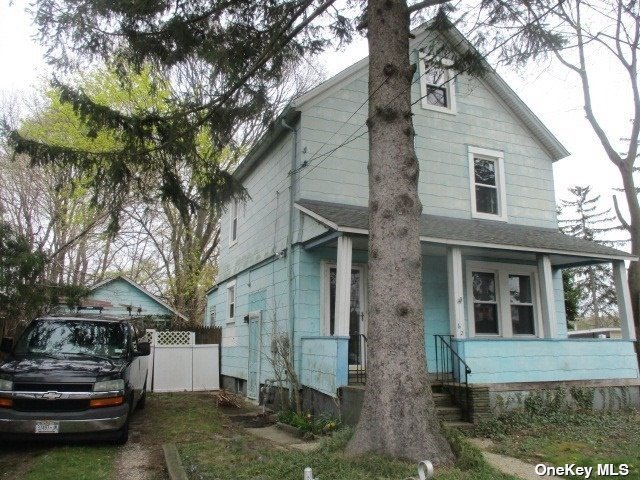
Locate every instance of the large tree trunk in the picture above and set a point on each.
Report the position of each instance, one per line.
(398, 416)
(626, 172)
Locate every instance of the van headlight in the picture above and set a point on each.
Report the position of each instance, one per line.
(6, 385)
(109, 385)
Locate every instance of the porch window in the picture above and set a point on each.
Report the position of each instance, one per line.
(521, 305)
(485, 303)
(502, 299)
(488, 195)
(436, 84)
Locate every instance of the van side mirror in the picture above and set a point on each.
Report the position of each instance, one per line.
(144, 349)
(7, 345)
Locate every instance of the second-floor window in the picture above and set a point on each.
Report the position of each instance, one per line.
(233, 223)
(488, 193)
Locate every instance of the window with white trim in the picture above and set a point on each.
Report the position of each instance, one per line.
(233, 222)
(502, 300)
(437, 89)
(212, 315)
(487, 183)
(231, 301)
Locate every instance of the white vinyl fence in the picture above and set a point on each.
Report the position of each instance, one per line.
(177, 364)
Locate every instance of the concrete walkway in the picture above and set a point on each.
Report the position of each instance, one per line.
(508, 465)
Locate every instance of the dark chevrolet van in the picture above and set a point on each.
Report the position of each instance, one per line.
(72, 377)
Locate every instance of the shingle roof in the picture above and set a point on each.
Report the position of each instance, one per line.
(457, 231)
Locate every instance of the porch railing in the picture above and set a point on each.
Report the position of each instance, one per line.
(452, 372)
(358, 369)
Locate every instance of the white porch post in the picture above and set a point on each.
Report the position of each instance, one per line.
(343, 285)
(624, 300)
(456, 294)
(545, 274)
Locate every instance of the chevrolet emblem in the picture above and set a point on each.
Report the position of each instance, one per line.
(51, 396)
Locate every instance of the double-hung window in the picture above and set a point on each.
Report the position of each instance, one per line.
(487, 183)
(502, 299)
(233, 223)
(437, 90)
(231, 301)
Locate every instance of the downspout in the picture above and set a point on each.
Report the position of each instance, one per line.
(292, 184)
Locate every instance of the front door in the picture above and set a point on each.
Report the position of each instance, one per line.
(357, 312)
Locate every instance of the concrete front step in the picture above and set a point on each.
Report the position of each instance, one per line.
(449, 413)
(464, 427)
(446, 409)
(442, 399)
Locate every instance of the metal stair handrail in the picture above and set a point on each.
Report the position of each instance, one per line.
(448, 362)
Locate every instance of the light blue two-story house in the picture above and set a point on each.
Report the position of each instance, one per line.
(293, 258)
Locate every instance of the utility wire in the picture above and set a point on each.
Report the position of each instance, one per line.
(351, 138)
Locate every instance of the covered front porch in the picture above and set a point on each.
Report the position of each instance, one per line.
(494, 311)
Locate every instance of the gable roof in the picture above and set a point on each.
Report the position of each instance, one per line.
(466, 232)
(454, 37)
(142, 289)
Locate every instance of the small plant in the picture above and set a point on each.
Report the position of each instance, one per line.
(583, 398)
(307, 423)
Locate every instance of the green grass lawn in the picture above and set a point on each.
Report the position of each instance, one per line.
(232, 453)
(246, 457)
(585, 439)
(73, 462)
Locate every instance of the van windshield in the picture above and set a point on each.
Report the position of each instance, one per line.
(68, 337)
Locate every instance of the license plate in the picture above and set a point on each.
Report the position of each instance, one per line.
(47, 427)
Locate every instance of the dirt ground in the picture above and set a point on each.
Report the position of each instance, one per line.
(142, 457)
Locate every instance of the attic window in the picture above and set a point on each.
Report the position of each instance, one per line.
(437, 90)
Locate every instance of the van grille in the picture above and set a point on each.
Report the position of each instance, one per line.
(37, 405)
(52, 387)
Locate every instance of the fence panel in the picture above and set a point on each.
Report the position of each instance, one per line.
(206, 367)
(173, 369)
(177, 364)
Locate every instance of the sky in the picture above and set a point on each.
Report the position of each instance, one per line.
(552, 93)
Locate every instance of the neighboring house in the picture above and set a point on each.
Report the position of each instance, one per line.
(293, 258)
(122, 297)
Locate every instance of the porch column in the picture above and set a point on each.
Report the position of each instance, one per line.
(456, 294)
(624, 300)
(545, 275)
(343, 286)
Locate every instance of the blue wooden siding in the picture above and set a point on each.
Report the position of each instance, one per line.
(212, 303)
(544, 360)
(442, 142)
(264, 218)
(436, 304)
(121, 293)
(324, 363)
(263, 289)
